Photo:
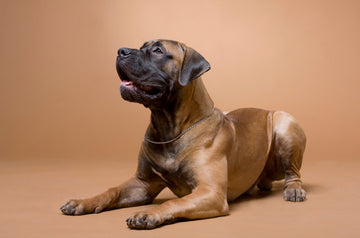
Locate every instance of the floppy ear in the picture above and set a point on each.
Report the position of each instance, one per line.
(193, 66)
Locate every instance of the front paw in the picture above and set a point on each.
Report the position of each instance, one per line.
(148, 220)
(79, 207)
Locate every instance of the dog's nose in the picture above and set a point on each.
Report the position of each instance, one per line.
(124, 52)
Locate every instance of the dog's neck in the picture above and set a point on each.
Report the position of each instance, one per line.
(189, 105)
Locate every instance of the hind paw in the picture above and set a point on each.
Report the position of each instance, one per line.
(294, 194)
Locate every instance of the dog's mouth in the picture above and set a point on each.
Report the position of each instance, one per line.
(131, 85)
(128, 84)
(139, 85)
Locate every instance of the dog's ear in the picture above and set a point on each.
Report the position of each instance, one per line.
(193, 66)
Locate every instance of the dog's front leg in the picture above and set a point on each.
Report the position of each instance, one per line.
(208, 199)
(203, 203)
(134, 192)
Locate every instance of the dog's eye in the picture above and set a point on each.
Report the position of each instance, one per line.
(158, 51)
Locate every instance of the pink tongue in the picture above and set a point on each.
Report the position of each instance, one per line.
(127, 83)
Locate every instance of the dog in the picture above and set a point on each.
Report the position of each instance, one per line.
(204, 156)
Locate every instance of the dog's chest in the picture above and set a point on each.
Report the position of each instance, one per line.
(175, 173)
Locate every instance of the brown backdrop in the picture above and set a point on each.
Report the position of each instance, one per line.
(59, 91)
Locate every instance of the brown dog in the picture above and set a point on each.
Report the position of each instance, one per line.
(205, 157)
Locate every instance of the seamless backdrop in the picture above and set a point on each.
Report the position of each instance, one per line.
(59, 92)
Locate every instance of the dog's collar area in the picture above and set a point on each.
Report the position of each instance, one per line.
(182, 133)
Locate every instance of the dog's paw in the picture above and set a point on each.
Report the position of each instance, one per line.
(73, 207)
(147, 220)
(79, 207)
(294, 194)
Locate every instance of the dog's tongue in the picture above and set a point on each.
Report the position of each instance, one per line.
(127, 83)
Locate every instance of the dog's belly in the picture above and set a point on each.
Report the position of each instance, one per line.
(247, 159)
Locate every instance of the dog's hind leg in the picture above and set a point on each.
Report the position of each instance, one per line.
(289, 145)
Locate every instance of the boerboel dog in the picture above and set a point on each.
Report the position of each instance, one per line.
(205, 157)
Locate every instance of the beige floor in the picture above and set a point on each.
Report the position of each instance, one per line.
(32, 192)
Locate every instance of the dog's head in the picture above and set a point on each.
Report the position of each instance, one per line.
(151, 74)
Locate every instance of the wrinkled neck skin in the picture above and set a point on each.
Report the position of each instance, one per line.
(185, 107)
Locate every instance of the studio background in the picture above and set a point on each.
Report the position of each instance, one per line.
(65, 130)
